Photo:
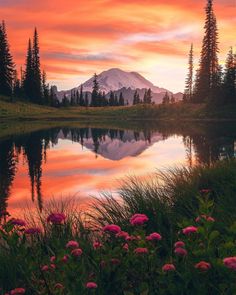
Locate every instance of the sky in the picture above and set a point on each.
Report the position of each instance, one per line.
(81, 37)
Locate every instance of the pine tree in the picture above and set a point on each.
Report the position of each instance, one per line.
(116, 103)
(112, 99)
(121, 99)
(95, 92)
(6, 63)
(28, 75)
(207, 80)
(145, 97)
(166, 99)
(86, 100)
(172, 99)
(45, 89)
(36, 91)
(149, 96)
(188, 92)
(17, 91)
(81, 96)
(230, 79)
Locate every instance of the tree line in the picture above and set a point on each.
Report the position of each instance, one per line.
(32, 84)
(211, 83)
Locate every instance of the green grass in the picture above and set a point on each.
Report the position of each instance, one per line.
(21, 110)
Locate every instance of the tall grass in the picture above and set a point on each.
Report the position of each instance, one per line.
(170, 196)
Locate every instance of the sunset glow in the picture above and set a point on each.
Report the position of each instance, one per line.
(78, 38)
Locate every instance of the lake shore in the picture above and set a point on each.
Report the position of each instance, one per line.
(23, 111)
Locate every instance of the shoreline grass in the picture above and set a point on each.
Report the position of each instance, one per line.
(195, 206)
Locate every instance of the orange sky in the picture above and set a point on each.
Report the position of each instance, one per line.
(79, 37)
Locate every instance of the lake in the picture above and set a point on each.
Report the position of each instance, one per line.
(79, 162)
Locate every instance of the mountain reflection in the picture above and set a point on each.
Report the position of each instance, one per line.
(203, 145)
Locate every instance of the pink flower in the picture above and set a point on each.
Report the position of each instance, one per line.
(132, 238)
(65, 258)
(45, 268)
(180, 252)
(19, 222)
(112, 228)
(230, 262)
(17, 291)
(72, 244)
(154, 237)
(53, 258)
(56, 218)
(203, 266)
(33, 231)
(97, 245)
(91, 285)
(58, 286)
(179, 244)
(76, 252)
(168, 267)
(138, 219)
(122, 234)
(210, 219)
(126, 247)
(53, 266)
(141, 251)
(189, 230)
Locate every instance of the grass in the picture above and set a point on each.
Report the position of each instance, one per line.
(23, 111)
(171, 196)
(171, 200)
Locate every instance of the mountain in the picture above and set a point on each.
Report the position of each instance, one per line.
(118, 81)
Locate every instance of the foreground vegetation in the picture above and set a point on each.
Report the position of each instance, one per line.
(174, 235)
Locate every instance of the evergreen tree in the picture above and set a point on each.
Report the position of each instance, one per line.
(112, 99)
(45, 89)
(65, 101)
(121, 99)
(116, 103)
(136, 99)
(36, 90)
(145, 97)
(166, 98)
(86, 100)
(6, 63)
(188, 92)
(95, 92)
(172, 99)
(29, 74)
(230, 79)
(17, 91)
(207, 80)
(53, 100)
(81, 96)
(149, 96)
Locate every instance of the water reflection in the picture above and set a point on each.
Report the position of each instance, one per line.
(201, 144)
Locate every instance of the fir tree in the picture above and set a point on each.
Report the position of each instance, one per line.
(95, 92)
(17, 91)
(166, 98)
(81, 96)
(121, 99)
(86, 100)
(112, 99)
(36, 91)
(188, 92)
(230, 79)
(6, 63)
(45, 89)
(172, 99)
(207, 80)
(29, 74)
(149, 96)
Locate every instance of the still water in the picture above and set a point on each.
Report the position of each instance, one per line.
(67, 161)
